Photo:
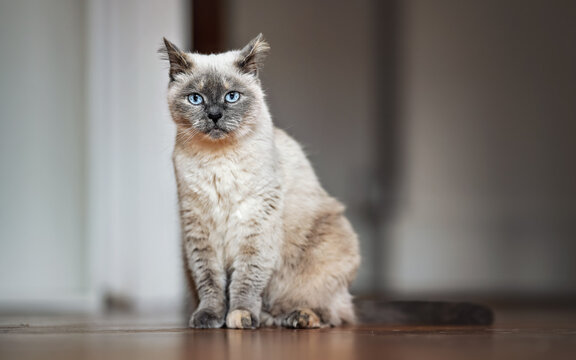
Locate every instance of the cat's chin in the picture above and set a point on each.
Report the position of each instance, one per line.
(216, 134)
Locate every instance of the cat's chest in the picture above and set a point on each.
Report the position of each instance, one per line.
(216, 189)
(217, 186)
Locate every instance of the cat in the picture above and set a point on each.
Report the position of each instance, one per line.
(263, 243)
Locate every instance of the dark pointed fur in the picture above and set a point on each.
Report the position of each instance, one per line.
(179, 63)
(253, 55)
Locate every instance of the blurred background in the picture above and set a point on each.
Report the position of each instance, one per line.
(448, 128)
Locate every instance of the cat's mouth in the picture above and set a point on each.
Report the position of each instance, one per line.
(217, 132)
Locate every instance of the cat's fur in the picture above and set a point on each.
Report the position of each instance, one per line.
(263, 242)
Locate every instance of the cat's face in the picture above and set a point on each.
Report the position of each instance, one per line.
(216, 97)
(214, 103)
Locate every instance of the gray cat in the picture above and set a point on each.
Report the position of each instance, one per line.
(263, 243)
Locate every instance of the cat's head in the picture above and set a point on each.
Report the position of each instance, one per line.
(216, 96)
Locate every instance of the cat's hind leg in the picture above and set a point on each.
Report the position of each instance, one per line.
(303, 319)
(311, 290)
(333, 310)
(297, 319)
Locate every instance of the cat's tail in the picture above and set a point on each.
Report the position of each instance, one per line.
(423, 313)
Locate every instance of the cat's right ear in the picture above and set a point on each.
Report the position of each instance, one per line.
(179, 62)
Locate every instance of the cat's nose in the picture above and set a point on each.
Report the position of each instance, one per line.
(214, 116)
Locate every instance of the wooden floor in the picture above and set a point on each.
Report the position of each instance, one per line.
(549, 334)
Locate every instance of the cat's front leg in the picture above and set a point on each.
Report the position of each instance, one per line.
(208, 274)
(249, 278)
(252, 268)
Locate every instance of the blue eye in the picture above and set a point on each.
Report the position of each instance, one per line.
(232, 96)
(195, 99)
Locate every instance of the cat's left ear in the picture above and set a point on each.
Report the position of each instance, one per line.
(252, 55)
(179, 62)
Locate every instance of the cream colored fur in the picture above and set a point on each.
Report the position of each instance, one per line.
(252, 205)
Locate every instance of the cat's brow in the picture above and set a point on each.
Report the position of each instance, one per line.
(212, 85)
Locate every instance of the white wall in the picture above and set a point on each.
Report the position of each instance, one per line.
(88, 201)
(42, 192)
(133, 205)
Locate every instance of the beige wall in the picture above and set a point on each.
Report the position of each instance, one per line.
(489, 117)
(486, 124)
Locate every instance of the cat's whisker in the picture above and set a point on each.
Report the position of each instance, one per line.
(187, 134)
(192, 134)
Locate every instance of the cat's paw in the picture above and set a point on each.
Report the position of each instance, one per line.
(206, 319)
(241, 319)
(302, 319)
